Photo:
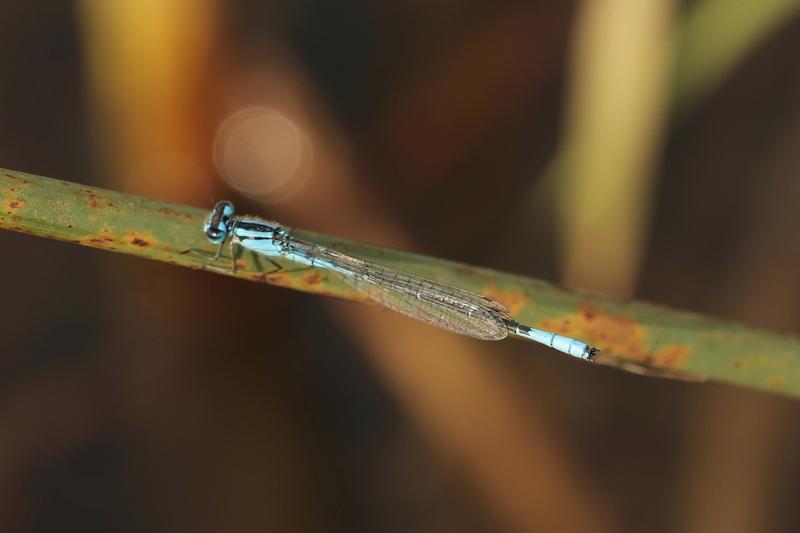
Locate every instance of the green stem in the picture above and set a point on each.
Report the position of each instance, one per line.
(626, 332)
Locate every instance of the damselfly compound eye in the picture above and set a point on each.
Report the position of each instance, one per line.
(216, 227)
(215, 235)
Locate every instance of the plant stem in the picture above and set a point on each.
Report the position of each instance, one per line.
(626, 332)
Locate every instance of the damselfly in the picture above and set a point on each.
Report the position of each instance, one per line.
(437, 304)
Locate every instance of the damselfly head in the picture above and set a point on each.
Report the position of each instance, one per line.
(218, 222)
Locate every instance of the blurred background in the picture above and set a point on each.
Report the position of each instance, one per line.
(640, 149)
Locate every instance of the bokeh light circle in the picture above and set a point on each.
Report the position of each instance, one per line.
(263, 153)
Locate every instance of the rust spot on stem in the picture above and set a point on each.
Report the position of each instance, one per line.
(140, 240)
(776, 382)
(617, 334)
(98, 202)
(92, 199)
(166, 211)
(276, 279)
(672, 356)
(98, 241)
(19, 179)
(312, 278)
(513, 299)
(12, 204)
